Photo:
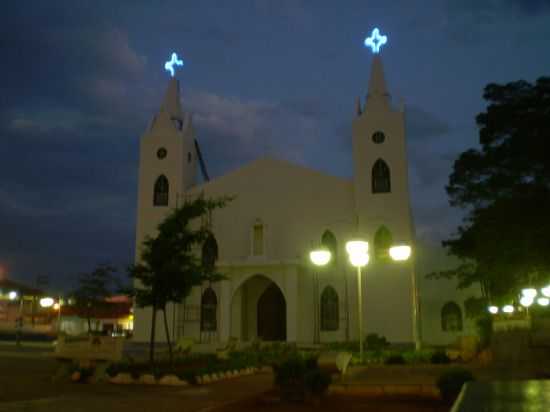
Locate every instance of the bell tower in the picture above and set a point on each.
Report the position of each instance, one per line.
(382, 203)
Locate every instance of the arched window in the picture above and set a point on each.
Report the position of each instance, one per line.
(160, 197)
(329, 309)
(209, 252)
(328, 240)
(258, 239)
(451, 317)
(382, 243)
(381, 182)
(209, 305)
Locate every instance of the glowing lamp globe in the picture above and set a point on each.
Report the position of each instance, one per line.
(46, 302)
(546, 291)
(529, 293)
(320, 257)
(400, 253)
(56, 306)
(543, 301)
(508, 309)
(359, 259)
(493, 309)
(12, 295)
(526, 301)
(357, 246)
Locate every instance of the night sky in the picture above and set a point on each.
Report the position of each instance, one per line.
(79, 82)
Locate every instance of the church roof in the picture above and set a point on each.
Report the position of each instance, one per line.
(278, 168)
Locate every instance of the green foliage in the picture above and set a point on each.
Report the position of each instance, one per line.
(317, 381)
(484, 327)
(505, 186)
(168, 267)
(440, 358)
(298, 374)
(395, 359)
(450, 382)
(93, 290)
(375, 342)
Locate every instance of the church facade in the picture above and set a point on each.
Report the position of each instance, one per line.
(282, 211)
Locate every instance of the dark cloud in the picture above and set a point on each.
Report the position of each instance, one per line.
(422, 125)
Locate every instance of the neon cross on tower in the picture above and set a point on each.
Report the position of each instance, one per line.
(169, 65)
(375, 41)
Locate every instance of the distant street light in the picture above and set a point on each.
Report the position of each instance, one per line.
(526, 301)
(543, 301)
(529, 293)
(320, 257)
(46, 302)
(546, 291)
(493, 309)
(12, 295)
(508, 309)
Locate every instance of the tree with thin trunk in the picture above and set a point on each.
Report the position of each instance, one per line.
(93, 290)
(169, 265)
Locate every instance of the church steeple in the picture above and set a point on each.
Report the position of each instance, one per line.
(171, 103)
(377, 84)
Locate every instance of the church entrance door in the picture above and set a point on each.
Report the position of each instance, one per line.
(272, 315)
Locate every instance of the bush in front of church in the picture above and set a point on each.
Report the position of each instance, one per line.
(298, 376)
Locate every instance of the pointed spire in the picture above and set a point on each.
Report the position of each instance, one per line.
(358, 107)
(171, 103)
(377, 83)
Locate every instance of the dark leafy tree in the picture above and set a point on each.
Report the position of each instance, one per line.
(504, 186)
(169, 266)
(93, 290)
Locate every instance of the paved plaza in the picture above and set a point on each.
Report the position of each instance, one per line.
(26, 385)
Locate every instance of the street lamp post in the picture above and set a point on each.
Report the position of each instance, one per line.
(359, 257)
(318, 257)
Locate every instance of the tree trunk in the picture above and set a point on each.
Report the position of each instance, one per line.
(152, 341)
(167, 335)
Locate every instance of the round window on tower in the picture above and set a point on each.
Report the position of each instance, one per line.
(378, 137)
(161, 153)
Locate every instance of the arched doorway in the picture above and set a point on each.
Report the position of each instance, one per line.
(272, 314)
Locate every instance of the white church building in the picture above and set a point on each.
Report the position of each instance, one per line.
(280, 212)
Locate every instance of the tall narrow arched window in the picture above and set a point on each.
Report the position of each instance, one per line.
(160, 197)
(381, 181)
(209, 252)
(329, 309)
(328, 240)
(209, 306)
(382, 243)
(258, 238)
(451, 317)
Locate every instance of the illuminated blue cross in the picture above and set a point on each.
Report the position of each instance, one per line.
(169, 65)
(375, 41)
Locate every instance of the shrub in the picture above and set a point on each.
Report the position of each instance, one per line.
(395, 359)
(289, 377)
(316, 382)
(375, 342)
(418, 356)
(440, 357)
(450, 382)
